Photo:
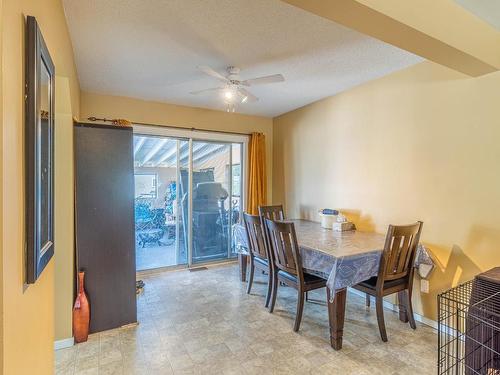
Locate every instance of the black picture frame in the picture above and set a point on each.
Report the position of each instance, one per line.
(39, 151)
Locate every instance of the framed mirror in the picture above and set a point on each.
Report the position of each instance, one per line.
(39, 152)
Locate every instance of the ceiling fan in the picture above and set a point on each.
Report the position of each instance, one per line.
(233, 91)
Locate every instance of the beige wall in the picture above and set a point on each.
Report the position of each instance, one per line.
(420, 144)
(28, 311)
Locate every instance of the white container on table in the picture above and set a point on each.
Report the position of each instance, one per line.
(327, 220)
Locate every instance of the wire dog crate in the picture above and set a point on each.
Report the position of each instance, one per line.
(469, 327)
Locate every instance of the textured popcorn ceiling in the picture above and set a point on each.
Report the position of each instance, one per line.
(487, 10)
(149, 49)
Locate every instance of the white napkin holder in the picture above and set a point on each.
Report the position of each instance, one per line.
(342, 226)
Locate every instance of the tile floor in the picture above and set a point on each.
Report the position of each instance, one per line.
(204, 323)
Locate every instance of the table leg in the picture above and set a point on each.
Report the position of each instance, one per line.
(242, 261)
(403, 316)
(336, 313)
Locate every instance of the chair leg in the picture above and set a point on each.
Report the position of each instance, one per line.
(409, 309)
(269, 287)
(250, 276)
(307, 296)
(274, 291)
(403, 311)
(367, 300)
(380, 318)
(243, 262)
(300, 308)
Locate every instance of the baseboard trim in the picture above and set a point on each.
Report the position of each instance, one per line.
(64, 343)
(390, 306)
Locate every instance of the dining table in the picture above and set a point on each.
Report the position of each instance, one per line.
(344, 259)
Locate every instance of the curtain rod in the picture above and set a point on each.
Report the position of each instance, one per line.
(126, 122)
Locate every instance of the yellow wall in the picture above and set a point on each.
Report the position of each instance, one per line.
(1, 190)
(420, 144)
(28, 311)
(64, 256)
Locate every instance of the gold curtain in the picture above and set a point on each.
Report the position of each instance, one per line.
(257, 193)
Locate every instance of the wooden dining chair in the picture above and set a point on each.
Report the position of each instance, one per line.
(273, 212)
(288, 265)
(395, 273)
(257, 252)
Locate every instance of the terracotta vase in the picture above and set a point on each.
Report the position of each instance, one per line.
(81, 312)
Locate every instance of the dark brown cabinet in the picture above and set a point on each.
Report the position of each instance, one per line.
(105, 238)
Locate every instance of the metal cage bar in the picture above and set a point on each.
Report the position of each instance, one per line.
(469, 329)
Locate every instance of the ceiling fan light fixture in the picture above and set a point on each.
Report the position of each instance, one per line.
(234, 91)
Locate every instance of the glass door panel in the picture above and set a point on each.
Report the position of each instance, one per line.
(158, 216)
(211, 202)
(183, 202)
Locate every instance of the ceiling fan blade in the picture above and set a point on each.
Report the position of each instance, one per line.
(263, 80)
(208, 70)
(246, 96)
(205, 90)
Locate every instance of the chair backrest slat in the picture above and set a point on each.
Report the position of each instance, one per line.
(399, 251)
(284, 246)
(394, 251)
(280, 253)
(406, 253)
(255, 233)
(275, 212)
(287, 250)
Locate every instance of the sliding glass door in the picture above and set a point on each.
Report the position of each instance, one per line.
(189, 194)
(159, 217)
